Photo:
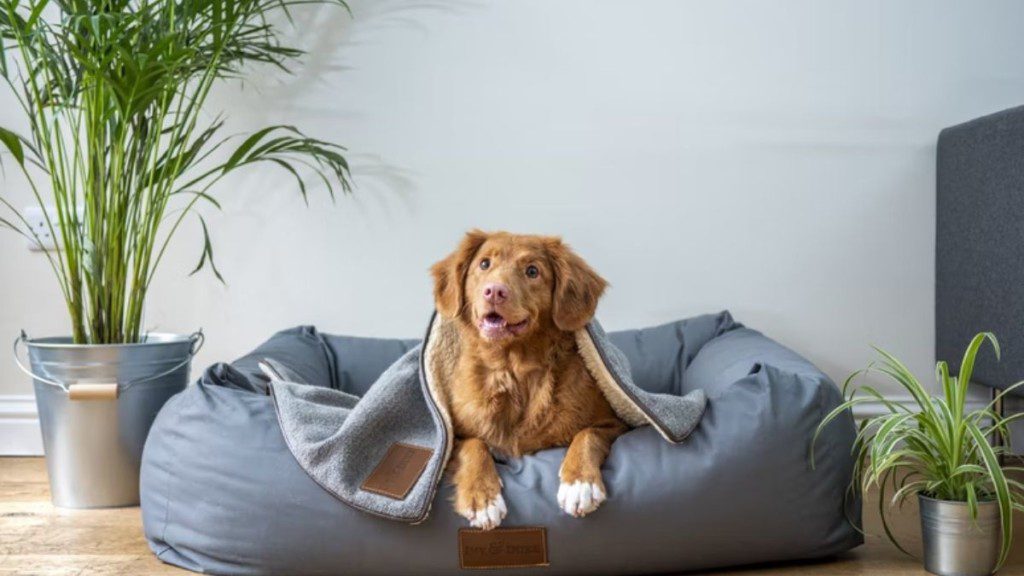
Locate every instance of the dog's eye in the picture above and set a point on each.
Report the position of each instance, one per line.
(532, 271)
(485, 263)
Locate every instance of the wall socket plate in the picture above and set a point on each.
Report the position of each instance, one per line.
(36, 219)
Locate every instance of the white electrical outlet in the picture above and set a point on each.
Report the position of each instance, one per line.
(37, 222)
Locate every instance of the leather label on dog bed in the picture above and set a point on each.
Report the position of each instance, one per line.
(503, 548)
(398, 472)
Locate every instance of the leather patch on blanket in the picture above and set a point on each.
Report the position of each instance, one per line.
(503, 548)
(398, 472)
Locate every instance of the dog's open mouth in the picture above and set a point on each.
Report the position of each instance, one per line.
(494, 325)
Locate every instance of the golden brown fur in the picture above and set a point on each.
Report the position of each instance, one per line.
(519, 384)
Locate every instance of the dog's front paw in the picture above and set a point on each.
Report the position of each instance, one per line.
(483, 508)
(580, 497)
(485, 515)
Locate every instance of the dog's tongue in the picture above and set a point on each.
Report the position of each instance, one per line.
(494, 320)
(494, 325)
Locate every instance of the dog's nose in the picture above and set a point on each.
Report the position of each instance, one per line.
(495, 293)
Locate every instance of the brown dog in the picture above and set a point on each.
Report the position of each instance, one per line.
(519, 384)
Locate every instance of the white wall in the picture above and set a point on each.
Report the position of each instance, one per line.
(776, 159)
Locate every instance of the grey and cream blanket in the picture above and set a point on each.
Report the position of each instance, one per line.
(385, 453)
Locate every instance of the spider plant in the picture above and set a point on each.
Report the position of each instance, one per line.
(119, 142)
(936, 448)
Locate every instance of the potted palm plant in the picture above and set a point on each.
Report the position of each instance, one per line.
(119, 144)
(939, 452)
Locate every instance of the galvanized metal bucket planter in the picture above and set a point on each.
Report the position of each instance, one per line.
(956, 544)
(96, 404)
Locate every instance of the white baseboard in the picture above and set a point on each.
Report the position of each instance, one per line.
(20, 435)
(19, 426)
(876, 408)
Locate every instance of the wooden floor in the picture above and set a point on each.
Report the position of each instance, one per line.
(38, 539)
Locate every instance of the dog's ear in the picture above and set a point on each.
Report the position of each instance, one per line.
(577, 287)
(450, 274)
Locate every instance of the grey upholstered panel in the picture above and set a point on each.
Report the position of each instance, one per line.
(221, 492)
(979, 263)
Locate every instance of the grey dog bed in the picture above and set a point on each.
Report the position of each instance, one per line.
(221, 492)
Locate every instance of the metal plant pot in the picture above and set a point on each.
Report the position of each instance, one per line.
(956, 544)
(96, 404)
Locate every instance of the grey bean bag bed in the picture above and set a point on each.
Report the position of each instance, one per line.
(225, 491)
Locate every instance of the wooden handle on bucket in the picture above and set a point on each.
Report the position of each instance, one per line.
(92, 391)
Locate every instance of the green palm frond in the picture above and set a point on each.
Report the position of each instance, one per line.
(113, 91)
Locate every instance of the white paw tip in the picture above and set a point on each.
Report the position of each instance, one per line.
(579, 498)
(489, 516)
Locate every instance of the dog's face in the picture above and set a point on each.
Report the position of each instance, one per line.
(509, 286)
